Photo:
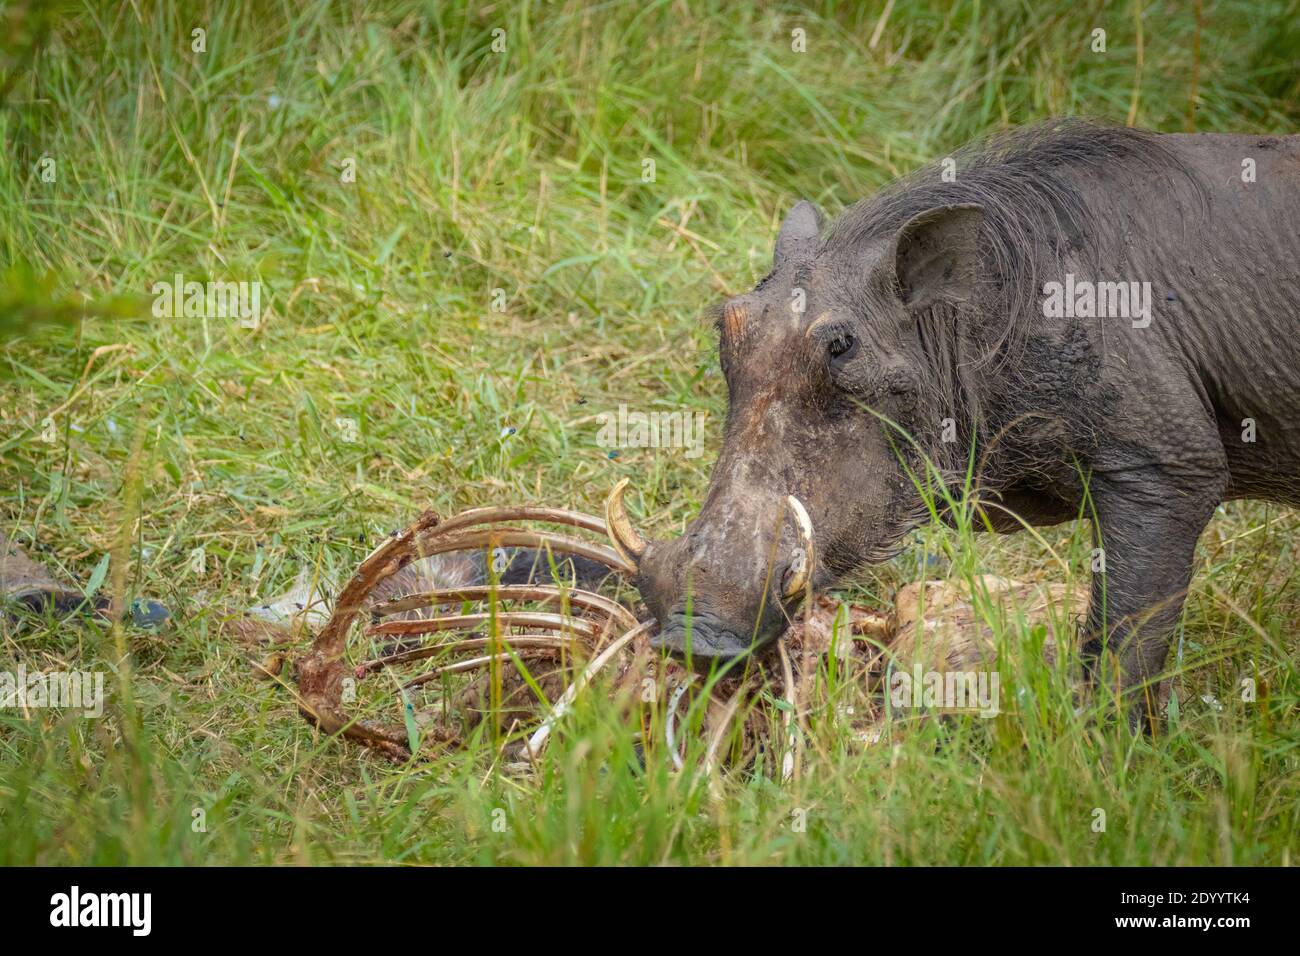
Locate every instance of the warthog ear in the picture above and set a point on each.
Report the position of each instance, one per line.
(799, 234)
(936, 255)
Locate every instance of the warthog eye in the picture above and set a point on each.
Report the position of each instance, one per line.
(842, 348)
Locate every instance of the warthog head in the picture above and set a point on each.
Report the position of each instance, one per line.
(827, 369)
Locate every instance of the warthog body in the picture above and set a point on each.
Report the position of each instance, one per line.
(962, 318)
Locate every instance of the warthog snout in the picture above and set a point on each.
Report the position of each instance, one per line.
(729, 584)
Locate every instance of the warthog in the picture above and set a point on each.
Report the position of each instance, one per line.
(964, 316)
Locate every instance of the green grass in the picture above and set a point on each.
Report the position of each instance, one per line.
(523, 171)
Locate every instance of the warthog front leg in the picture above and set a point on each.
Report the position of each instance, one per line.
(1146, 527)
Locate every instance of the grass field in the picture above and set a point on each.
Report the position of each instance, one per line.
(464, 254)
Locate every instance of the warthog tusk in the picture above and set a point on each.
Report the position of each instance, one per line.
(624, 538)
(801, 565)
